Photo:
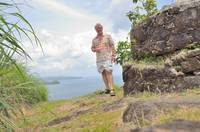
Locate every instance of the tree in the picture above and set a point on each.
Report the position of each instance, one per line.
(123, 52)
(142, 9)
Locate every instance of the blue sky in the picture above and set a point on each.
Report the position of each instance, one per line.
(66, 28)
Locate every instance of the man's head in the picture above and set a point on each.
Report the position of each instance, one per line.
(99, 28)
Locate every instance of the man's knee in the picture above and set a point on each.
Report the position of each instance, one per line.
(108, 71)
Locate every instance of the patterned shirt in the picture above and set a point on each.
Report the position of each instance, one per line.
(106, 48)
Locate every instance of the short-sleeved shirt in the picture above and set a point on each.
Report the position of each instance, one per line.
(106, 46)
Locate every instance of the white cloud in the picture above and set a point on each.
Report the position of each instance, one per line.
(64, 55)
(61, 53)
(67, 41)
(59, 17)
(61, 8)
(117, 2)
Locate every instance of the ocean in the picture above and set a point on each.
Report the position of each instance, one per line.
(69, 87)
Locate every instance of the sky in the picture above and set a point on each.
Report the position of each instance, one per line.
(66, 29)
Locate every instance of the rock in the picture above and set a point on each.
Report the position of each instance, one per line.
(187, 63)
(156, 79)
(173, 33)
(114, 105)
(197, 73)
(174, 28)
(147, 110)
(173, 126)
(178, 73)
(68, 117)
(147, 79)
(185, 1)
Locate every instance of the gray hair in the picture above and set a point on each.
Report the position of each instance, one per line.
(98, 24)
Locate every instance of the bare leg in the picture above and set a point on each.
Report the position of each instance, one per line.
(105, 79)
(110, 79)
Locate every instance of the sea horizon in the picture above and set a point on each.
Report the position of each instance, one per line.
(66, 87)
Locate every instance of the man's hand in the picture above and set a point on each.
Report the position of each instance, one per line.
(100, 47)
(113, 59)
(93, 49)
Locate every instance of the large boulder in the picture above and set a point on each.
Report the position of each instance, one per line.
(174, 28)
(173, 126)
(178, 73)
(187, 62)
(149, 109)
(174, 33)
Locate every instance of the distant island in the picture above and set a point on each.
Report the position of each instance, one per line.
(61, 77)
(52, 82)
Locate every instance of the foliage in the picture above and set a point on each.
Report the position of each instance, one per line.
(123, 52)
(16, 85)
(142, 10)
(148, 58)
(29, 89)
(13, 27)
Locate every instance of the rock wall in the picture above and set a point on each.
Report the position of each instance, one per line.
(186, 1)
(180, 72)
(172, 29)
(166, 34)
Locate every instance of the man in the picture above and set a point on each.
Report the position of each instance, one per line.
(103, 45)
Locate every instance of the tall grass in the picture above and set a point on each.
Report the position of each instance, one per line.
(25, 87)
(16, 85)
(16, 88)
(13, 27)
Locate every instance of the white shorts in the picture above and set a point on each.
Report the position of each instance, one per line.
(104, 65)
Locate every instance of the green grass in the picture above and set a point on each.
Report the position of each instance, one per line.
(99, 121)
(146, 95)
(25, 87)
(145, 63)
(42, 113)
(17, 87)
(185, 113)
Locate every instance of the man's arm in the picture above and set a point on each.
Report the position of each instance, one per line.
(93, 47)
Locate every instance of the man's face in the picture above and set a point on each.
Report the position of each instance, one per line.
(99, 28)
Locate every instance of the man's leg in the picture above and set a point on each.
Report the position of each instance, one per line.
(110, 79)
(105, 79)
(110, 82)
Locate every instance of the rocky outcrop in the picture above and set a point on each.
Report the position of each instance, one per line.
(173, 35)
(147, 110)
(186, 62)
(173, 126)
(167, 34)
(179, 73)
(172, 29)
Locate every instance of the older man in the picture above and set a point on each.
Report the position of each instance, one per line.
(103, 45)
